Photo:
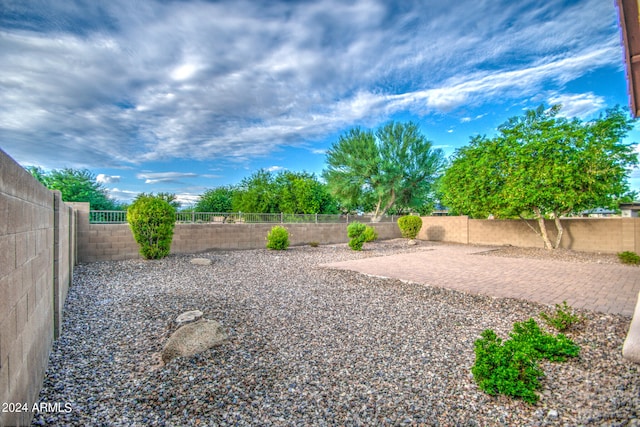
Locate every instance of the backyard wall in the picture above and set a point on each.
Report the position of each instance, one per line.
(610, 235)
(36, 243)
(98, 242)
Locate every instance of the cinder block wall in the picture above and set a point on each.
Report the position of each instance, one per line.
(609, 235)
(101, 242)
(28, 283)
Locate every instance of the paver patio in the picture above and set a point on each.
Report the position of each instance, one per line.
(608, 288)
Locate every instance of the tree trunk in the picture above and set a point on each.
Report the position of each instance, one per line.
(556, 219)
(543, 229)
(375, 214)
(379, 214)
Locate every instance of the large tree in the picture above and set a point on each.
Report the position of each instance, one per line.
(394, 166)
(76, 185)
(219, 199)
(286, 192)
(541, 165)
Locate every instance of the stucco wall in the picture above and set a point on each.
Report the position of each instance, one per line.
(610, 235)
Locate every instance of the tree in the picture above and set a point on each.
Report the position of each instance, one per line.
(256, 194)
(219, 199)
(541, 165)
(287, 192)
(395, 166)
(167, 197)
(76, 185)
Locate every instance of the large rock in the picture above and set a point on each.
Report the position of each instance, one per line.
(631, 347)
(193, 338)
(188, 316)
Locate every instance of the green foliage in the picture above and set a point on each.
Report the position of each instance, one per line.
(562, 319)
(394, 167)
(542, 165)
(511, 367)
(628, 257)
(167, 197)
(152, 219)
(370, 234)
(314, 244)
(410, 226)
(286, 192)
(278, 238)
(76, 185)
(219, 199)
(356, 232)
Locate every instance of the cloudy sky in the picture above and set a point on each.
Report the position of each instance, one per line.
(180, 96)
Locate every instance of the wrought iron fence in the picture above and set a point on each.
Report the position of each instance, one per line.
(120, 217)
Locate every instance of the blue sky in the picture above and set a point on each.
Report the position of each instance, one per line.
(181, 96)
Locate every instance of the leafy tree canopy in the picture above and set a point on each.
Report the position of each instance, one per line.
(219, 199)
(76, 185)
(167, 197)
(287, 192)
(542, 165)
(393, 168)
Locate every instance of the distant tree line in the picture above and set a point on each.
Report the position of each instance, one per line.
(539, 166)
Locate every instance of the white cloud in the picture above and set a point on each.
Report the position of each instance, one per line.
(578, 105)
(275, 168)
(107, 179)
(164, 177)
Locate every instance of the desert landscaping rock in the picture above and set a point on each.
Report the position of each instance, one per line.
(193, 338)
(188, 316)
(311, 346)
(201, 261)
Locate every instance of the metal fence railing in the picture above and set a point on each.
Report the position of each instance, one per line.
(120, 217)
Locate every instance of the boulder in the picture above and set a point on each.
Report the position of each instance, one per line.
(188, 316)
(412, 242)
(193, 338)
(201, 261)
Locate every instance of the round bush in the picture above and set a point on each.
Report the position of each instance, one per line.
(370, 234)
(356, 231)
(278, 238)
(151, 220)
(410, 226)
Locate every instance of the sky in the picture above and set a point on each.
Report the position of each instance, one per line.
(181, 96)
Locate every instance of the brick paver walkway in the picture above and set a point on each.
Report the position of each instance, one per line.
(599, 287)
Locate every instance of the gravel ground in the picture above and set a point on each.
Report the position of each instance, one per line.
(310, 346)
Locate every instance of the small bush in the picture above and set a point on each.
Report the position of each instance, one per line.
(151, 220)
(278, 238)
(356, 231)
(562, 319)
(314, 244)
(370, 234)
(410, 226)
(511, 367)
(628, 257)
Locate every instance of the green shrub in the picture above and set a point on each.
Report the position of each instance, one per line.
(410, 226)
(628, 257)
(151, 220)
(370, 234)
(511, 367)
(562, 319)
(278, 238)
(314, 244)
(356, 231)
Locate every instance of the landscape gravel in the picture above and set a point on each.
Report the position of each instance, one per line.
(310, 346)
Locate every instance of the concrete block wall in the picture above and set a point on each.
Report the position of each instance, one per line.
(609, 235)
(27, 284)
(102, 242)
